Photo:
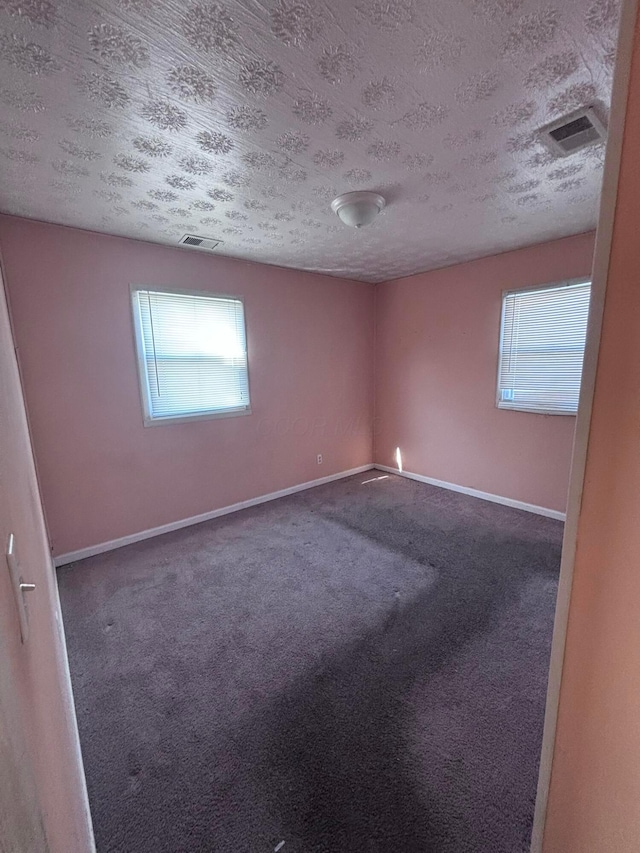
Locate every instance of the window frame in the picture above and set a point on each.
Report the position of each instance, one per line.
(143, 379)
(555, 285)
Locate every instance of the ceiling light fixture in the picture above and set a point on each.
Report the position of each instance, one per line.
(358, 208)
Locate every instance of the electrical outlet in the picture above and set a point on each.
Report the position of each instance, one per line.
(319, 458)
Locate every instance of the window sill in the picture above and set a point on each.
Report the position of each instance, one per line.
(200, 416)
(533, 411)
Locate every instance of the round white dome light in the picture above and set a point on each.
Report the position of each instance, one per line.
(358, 208)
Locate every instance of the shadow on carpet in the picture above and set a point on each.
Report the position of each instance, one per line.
(358, 667)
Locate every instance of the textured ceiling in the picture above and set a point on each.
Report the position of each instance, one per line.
(241, 120)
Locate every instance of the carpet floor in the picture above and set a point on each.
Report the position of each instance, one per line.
(358, 667)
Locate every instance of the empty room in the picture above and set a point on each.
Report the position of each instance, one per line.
(311, 401)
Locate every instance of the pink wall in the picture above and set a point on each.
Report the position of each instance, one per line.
(437, 338)
(103, 475)
(42, 783)
(594, 799)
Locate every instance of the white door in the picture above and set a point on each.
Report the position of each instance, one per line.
(21, 821)
(43, 800)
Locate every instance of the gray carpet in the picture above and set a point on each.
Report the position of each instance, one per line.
(359, 667)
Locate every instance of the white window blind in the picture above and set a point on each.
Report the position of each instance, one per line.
(542, 348)
(193, 354)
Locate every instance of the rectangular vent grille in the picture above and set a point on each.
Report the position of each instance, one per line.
(573, 132)
(207, 243)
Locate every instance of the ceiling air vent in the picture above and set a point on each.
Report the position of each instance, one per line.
(207, 243)
(575, 131)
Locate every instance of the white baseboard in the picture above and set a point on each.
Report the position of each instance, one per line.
(92, 550)
(112, 544)
(485, 496)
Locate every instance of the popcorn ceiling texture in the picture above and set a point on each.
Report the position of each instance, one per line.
(242, 119)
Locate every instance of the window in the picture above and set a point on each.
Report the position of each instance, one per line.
(192, 355)
(542, 347)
